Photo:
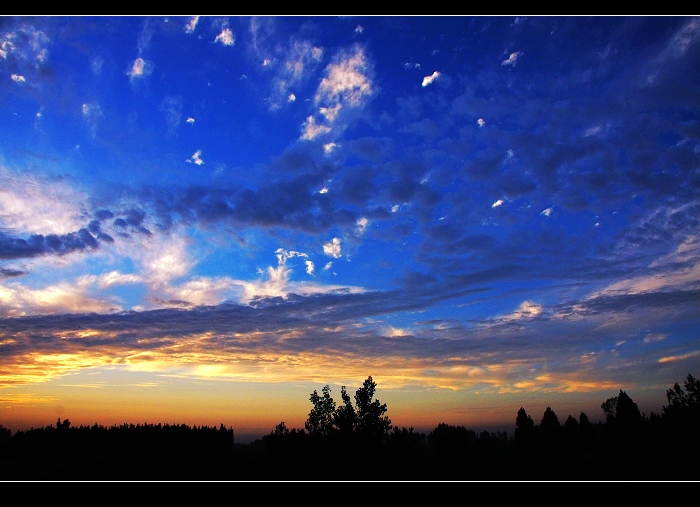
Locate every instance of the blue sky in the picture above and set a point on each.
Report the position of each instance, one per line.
(478, 212)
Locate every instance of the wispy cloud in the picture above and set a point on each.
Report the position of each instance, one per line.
(171, 107)
(347, 80)
(92, 113)
(191, 24)
(347, 84)
(512, 60)
(17, 300)
(33, 205)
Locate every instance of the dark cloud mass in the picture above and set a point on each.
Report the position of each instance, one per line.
(51, 244)
(11, 273)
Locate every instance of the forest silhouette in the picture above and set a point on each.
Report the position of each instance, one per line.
(356, 441)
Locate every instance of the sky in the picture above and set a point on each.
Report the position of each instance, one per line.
(203, 219)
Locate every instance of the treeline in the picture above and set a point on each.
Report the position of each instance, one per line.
(119, 452)
(356, 441)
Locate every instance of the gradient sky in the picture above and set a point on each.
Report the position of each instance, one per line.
(203, 219)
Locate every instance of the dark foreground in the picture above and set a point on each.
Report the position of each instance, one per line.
(157, 452)
(346, 442)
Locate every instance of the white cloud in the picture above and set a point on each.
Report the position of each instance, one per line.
(347, 81)
(526, 310)
(18, 79)
(359, 29)
(546, 212)
(291, 97)
(190, 120)
(327, 148)
(324, 190)
(497, 203)
(278, 283)
(311, 129)
(328, 266)
(332, 248)
(291, 64)
(17, 300)
(361, 225)
(395, 208)
(330, 113)
(116, 278)
(309, 267)
(163, 258)
(430, 79)
(32, 205)
(25, 45)
(226, 37)
(205, 290)
(196, 158)
(139, 68)
(192, 24)
(396, 332)
(512, 59)
(283, 255)
(481, 122)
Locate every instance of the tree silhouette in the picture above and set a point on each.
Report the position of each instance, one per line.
(345, 416)
(371, 422)
(524, 430)
(570, 431)
(627, 414)
(364, 423)
(550, 428)
(683, 403)
(609, 407)
(585, 429)
(320, 421)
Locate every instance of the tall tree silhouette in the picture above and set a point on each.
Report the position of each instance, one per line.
(550, 428)
(371, 423)
(320, 421)
(683, 403)
(365, 422)
(345, 417)
(524, 430)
